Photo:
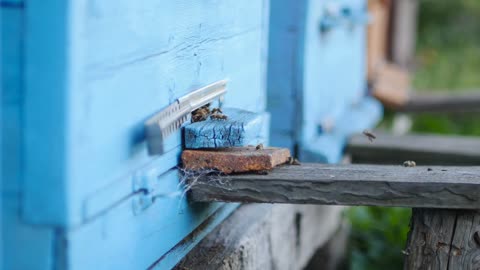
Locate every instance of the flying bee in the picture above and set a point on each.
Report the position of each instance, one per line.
(259, 147)
(218, 116)
(293, 161)
(369, 135)
(409, 163)
(216, 110)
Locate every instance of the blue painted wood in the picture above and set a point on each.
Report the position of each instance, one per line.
(316, 76)
(25, 247)
(11, 41)
(46, 119)
(334, 67)
(93, 72)
(241, 128)
(328, 148)
(22, 246)
(122, 239)
(285, 69)
(1, 149)
(112, 89)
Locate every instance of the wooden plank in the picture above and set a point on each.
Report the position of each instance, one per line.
(264, 236)
(435, 187)
(443, 239)
(425, 149)
(467, 101)
(235, 159)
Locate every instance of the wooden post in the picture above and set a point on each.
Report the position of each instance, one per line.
(443, 239)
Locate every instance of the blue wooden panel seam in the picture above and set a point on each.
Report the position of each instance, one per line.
(285, 68)
(45, 111)
(11, 4)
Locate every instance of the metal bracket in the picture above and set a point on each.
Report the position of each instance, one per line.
(170, 119)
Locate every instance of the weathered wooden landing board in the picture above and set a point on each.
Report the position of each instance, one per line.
(433, 187)
(425, 149)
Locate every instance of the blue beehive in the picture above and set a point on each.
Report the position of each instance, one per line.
(316, 76)
(79, 79)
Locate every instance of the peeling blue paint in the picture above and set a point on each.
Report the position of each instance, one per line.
(239, 129)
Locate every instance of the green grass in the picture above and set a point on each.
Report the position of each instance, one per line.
(448, 59)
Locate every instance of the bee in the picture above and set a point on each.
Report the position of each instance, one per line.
(206, 107)
(259, 147)
(409, 163)
(218, 116)
(201, 114)
(216, 110)
(293, 161)
(369, 135)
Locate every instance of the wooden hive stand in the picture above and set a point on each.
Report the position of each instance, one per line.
(445, 223)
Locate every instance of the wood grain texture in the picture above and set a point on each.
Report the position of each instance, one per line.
(431, 232)
(465, 249)
(443, 239)
(424, 149)
(241, 128)
(441, 187)
(282, 237)
(235, 159)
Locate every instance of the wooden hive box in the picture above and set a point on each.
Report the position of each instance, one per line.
(79, 78)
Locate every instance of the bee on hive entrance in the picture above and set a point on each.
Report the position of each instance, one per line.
(409, 163)
(218, 116)
(369, 135)
(201, 114)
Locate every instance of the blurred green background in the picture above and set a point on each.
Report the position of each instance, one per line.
(447, 59)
